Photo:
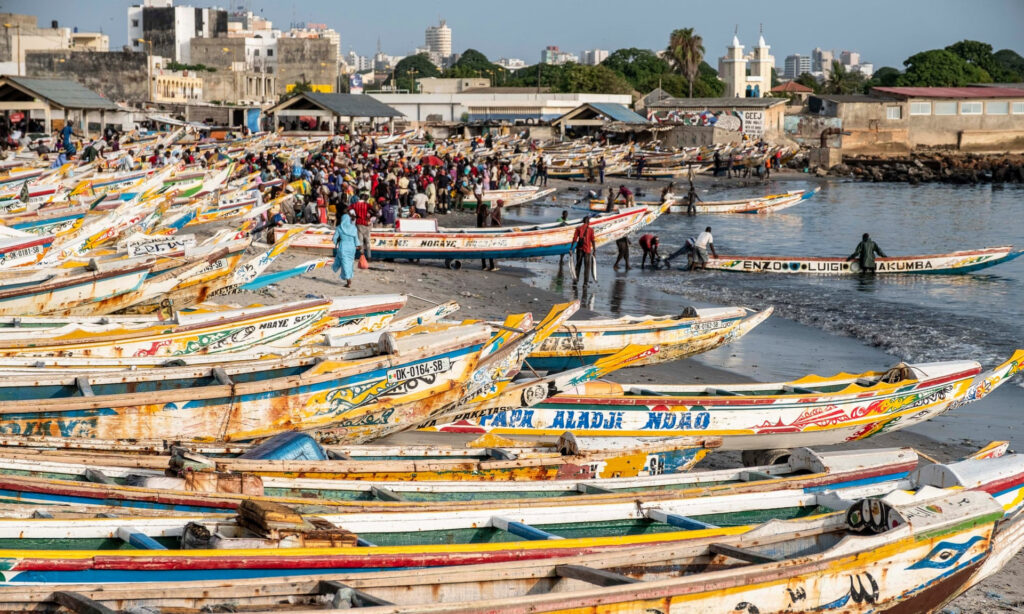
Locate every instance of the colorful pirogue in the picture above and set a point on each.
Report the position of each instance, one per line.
(953, 263)
(810, 411)
(272, 540)
(933, 549)
(470, 243)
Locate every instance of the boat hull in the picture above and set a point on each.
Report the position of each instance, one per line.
(954, 263)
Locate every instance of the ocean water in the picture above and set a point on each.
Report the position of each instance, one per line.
(826, 325)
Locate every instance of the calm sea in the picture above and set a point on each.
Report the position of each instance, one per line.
(826, 325)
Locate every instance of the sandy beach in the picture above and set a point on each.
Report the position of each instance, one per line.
(483, 294)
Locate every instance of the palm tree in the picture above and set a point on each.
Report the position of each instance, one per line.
(685, 52)
(842, 81)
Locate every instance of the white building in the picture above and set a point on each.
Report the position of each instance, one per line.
(593, 57)
(511, 63)
(317, 30)
(849, 58)
(796, 65)
(553, 55)
(867, 69)
(499, 105)
(438, 40)
(747, 75)
(170, 28)
(821, 62)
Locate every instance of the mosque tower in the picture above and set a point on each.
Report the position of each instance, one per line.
(732, 68)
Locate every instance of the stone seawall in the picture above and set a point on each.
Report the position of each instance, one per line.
(935, 167)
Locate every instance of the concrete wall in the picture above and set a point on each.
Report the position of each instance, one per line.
(116, 75)
(227, 86)
(983, 132)
(806, 129)
(698, 136)
(210, 51)
(306, 59)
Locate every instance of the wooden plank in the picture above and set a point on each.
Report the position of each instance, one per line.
(520, 529)
(385, 494)
(80, 603)
(755, 476)
(799, 390)
(722, 392)
(742, 554)
(138, 539)
(363, 543)
(597, 577)
(501, 454)
(359, 598)
(681, 522)
(590, 489)
(222, 377)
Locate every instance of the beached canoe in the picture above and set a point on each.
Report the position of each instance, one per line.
(233, 330)
(939, 545)
(953, 263)
(581, 472)
(512, 197)
(471, 243)
(272, 540)
(362, 391)
(810, 411)
(581, 342)
(762, 204)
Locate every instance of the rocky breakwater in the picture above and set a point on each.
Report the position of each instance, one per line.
(935, 167)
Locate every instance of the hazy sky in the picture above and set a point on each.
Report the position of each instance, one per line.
(885, 32)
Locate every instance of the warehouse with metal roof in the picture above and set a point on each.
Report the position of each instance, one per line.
(46, 100)
(321, 113)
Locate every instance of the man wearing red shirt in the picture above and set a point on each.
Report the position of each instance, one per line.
(584, 243)
(362, 211)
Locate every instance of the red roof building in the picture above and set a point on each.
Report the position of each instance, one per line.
(949, 92)
(791, 87)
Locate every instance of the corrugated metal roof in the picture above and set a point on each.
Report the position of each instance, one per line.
(618, 112)
(65, 93)
(951, 92)
(345, 105)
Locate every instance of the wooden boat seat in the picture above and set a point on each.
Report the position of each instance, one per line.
(385, 494)
(80, 603)
(82, 383)
(799, 390)
(597, 577)
(520, 529)
(721, 392)
(681, 522)
(590, 489)
(742, 554)
(754, 476)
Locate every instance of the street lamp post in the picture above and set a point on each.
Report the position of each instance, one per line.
(17, 53)
(149, 68)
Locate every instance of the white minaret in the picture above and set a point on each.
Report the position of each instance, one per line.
(732, 68)
(761, 66)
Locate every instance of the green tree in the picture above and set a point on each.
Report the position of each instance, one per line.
(842, 81)
(472, 63)
(941, 68)
(708, 84)
(886, 76)
(980, 54)
(641, 67)
(808, 80)
(685, 52)
(1011, 62)
(411, 68)
(593, 79)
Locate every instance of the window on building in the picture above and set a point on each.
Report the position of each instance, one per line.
(1018, 108)
(136, 43)
(270, 53)
(970, 108)
(256, 52)
(920, 108)
(893, 112)
(945, 108)
(997, 107)
(135, 23)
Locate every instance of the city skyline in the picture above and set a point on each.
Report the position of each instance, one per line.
(525, 32)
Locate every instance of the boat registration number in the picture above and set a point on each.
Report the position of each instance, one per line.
(422, 369)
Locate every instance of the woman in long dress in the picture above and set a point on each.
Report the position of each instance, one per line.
(345, 239)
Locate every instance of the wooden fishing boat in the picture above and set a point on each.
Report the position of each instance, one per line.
(59, 293)
(512, 197)
(938, 545)
(810, 411)
(273, 540)
(582, 342)
(19, 248)
(571, 470)
(219, 332)
(453, 244)
(762, 204)
(357, 392)
(952, 263)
